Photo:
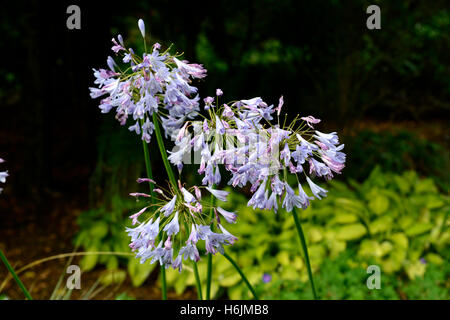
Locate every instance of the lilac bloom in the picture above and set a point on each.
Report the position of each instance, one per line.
(140, 180)
(141, 26)
(193, 237)
(172, 227)
(266, 278)
(169, 207)
(286, 153)
(228, 236)
(188, 197)
(227, 111)
(231, 217)
(219, 92)
(316, 190)
(309, 120)
(177, 263)
(219, 194)
(190, 251)
(3, 176)
(280, 104)
(136, 215)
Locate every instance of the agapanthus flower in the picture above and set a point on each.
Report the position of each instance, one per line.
(3, 175)
(174, 223)
(263, 154)
(155, 82)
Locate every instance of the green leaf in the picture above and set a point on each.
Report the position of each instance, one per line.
(350, 232)
(99, 229)
(283, 258)
(235, 293)
(379, 204)
(89, 261)
(402, 183)
(230, 279)
(382, 224)
(418, 228)
(139, 272)
(109, 277)
(425, 186)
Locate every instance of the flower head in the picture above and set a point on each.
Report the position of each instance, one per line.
(168, 218)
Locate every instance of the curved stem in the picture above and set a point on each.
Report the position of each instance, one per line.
(14, 275)
(242, 275)
(197, 281)
(148, 167)
(305, 251)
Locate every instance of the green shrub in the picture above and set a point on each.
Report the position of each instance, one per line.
(392, 220)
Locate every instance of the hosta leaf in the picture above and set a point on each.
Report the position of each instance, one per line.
(89, 261)
(109, 277)
(99, 229)
(350, 232)
(379, 204)
(418, 228)
(425, 186)
(139, 272)
(382, 224)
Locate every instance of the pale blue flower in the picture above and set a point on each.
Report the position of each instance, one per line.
(172, 227)
(219, 194)
(316, 190)
(168, 208)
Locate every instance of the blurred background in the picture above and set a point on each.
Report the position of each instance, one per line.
(386, 92)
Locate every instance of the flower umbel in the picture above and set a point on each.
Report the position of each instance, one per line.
(175, 224)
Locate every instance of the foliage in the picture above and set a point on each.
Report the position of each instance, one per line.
(337, 279)
(103, 227)
(392, 220)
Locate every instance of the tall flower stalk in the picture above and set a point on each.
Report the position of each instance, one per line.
(154, 89)
(240, 136)
(263, 154)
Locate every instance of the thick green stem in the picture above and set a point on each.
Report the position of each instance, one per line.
(148, 167)
(163, 152)
(163, 283)
(242, 275)
(197, 280)
(305, 251)
(171, 175)
(14, 275)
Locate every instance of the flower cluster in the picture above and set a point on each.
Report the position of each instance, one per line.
(140, 85)
(3, 175)
(241, 137)
(176, 222)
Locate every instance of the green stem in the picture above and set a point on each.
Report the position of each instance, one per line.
(14, 275)
(148, 166)
(171, 175)
(163, 152)
(242, 275)
(305, 251)
(163, 283)
(197, 280)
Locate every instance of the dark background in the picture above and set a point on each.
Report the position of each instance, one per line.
(386, 92)
(322, 58)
